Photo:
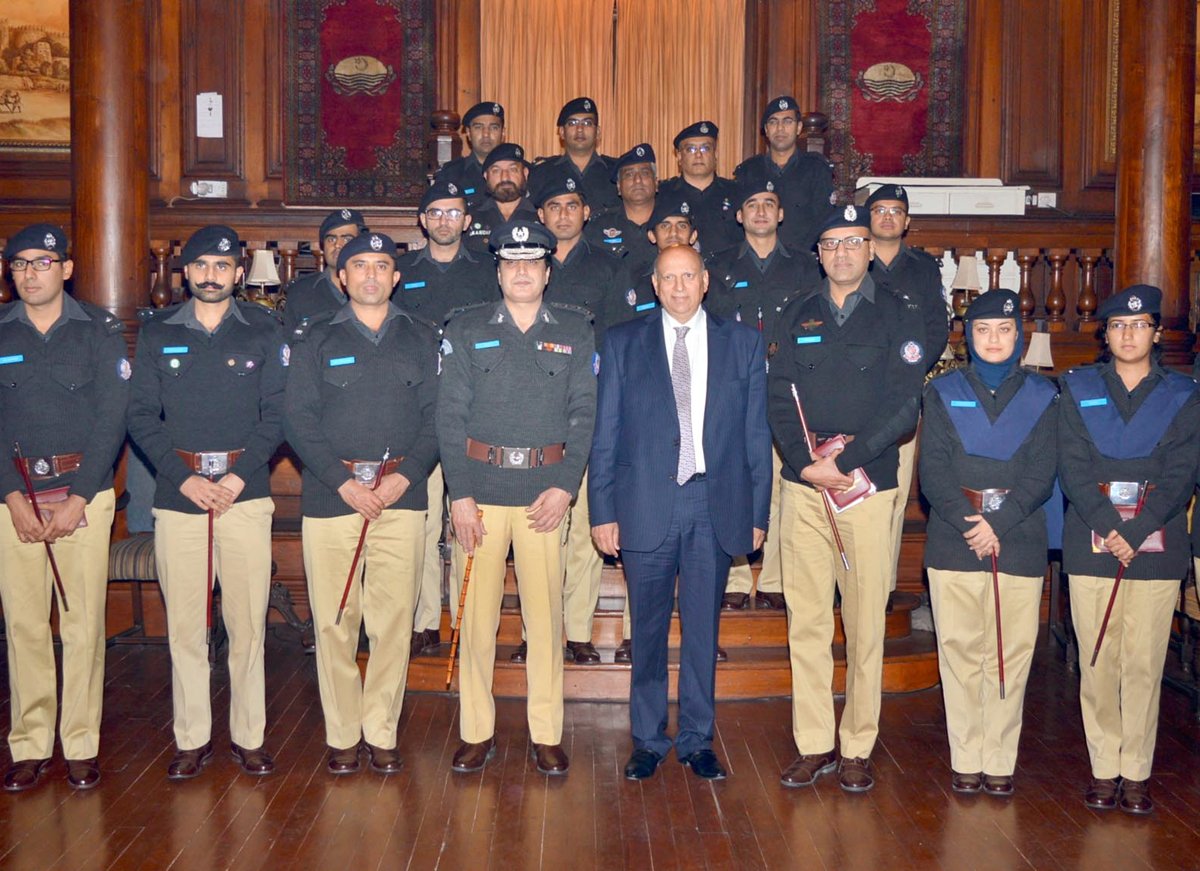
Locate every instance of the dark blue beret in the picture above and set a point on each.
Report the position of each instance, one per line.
(998, 303)
(213, 239)
(1139, 299)
(37, 237)
(641, 153)
(779, 104)
(376, 243)
(578, 106)
(505, 151)
(700, 128)
(483, 109)
(341, 218)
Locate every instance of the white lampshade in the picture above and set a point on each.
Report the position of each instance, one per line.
(262, 269)
(1038, 354)
(967, 276)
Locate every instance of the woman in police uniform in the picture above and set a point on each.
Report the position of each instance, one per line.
(987, 469)
(1128, 437)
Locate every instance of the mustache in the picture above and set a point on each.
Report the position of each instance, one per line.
(210, 285)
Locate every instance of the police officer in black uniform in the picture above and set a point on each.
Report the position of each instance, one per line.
(207, 411)
(712, 198)
(804, 180)
(317, 292)
(579, 129)
(63, 393)
(506, 173)
(364, 381)
(670, 224)
(621, 229)
(484, 126)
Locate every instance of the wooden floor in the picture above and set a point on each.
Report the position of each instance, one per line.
(509, 817)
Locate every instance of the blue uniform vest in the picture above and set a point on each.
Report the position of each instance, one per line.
(981, 437)
(1114, 437)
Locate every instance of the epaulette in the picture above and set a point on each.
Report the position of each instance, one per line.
(146, 315)
(300, 333)
(538, 161)
(577, 309)
(109, 323)
(422, 321)
(254, 309)
(467, 308)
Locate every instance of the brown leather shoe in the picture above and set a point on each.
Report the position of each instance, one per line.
(384, 761)
(583, 652)
(518, 655)
(551, 759)
(256, 762)
(83, 773)
(1102, 794)
(807, 768)
(342, 761)
(774, 601)
(722, 656)
(1135, 797)
(189, 763)
(472, 757)
(25, 774)
(854, 774)
(734, 601)
(999, 785)
(966, 783)
(425, 641)
(624, 652)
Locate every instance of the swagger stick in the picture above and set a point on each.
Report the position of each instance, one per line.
(19, 460)
(462, 603)
(825, 499)
(999, 631)
(208, 611)
(362, 537)
(1117, 580)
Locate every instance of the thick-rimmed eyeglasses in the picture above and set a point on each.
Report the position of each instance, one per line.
(40, 264)
(852, 243)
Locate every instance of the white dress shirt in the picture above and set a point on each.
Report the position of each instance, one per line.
(696, 341)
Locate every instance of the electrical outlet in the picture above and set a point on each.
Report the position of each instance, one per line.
(1047, 201)
(212, 189)
(1030, 198)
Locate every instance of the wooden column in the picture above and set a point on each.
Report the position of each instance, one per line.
(109, 209)
(1154, 149)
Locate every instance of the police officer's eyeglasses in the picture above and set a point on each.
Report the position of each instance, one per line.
(438, 214)
(880, 211)
(852, 243)
(697, 149)
(786, 121)
(1136, 326)
(580, 122)
(41, 264)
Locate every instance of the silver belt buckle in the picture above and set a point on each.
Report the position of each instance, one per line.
(42, 467)
(213, 463)
(991, 500)
(364, 473)
(1124, 492)
(514, 458)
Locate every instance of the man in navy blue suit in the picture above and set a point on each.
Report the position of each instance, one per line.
(680, 481)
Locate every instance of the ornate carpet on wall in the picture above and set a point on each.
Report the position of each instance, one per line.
(891, 76)
(359, 95)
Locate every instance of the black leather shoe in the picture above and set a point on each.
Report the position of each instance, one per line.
(624, 652)
(582, 653)
(518, 655)
(189, 763)
(642, 764)
(704, 764)
(969, 782)
(1102, 793)
(425, 641)
(772, 601)
(999, 785)
(734, 601)
(384, 761)
(83, 773)
(256, 762)
(1135, 797)
(722, 656)
(25, 774)
(342, 761)
(472, 757)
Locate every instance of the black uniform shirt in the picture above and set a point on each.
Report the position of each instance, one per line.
(309, 296)
(805, 188)
(637, 299)
(744, 288)
(434, 290)
(591, 280)
(917, 274)
(487, 217)
(598, 190)
(713, 211)
(612, 231)
(64, 392)
(201, 391)
(353, 392)
(466, 173)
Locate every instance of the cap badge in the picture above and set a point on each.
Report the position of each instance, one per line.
(684, 209)
(770, 186)
(345, 214)
(587, 104)
(570, 184)
(376, 243)
(639, 151)
(452, 188)
(783, 103)
(703, 128)
(850, 214)
(49, 242)
(496, 110)
(1135, 303)
(518, 152)
(899, 191)
(224, 244)
(520, 234)
(1008, 307)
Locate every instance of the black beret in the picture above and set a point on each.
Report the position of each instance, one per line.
(1140, 299)
(894, 192)
(521, 239)
(377, 243)
(700, 128)
(483, 109)
(341, 218)
(505, 151)
(670, 207)
(779, 104)
(578, 106)
(37, 237)
(441, 190)
(213, 239)
(998, 303)
(751, 183)
(847, 216)
(558, 182)
(642, 153)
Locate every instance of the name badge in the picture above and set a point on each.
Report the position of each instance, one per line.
(468, 191)
(963, 403)
(413, 285)
(175, 349)
(342, 361)
(12, 358)
(808, 340)
(646, 306)
(553, 347)
(614, 240)
(491, 343)
(1092, 403)
(741, 284)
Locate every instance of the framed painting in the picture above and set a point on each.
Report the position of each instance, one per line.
(35, 75)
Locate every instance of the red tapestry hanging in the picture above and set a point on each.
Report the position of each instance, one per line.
(892, 85)
(359, 95)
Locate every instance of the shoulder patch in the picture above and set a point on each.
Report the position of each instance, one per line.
(911, 353)
(285, 355)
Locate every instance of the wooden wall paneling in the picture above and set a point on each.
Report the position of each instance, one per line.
(273, 92)
(255, 118)
(445, 58)
(1031, 125)
(468, 78)
(163, 93)
(212, 59)
(983, 82)
(758, 24)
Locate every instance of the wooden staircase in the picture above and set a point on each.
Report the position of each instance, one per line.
(755, 639)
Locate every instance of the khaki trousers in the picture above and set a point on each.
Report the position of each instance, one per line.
(382, 598)
(538, 557)
(428, 614)
(984, 730)
(1120, 695)
(581, 584)
(904, 476)
(811, 568)
(26, 587)
(770, 575)
(242, 565)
